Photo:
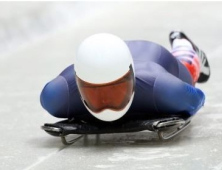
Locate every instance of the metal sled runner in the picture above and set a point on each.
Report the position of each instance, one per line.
(166, 128)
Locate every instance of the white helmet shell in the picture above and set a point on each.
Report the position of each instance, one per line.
(103, 58)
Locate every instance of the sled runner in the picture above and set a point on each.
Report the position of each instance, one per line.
(166, 128)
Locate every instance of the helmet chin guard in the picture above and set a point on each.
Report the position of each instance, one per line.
(110, 115)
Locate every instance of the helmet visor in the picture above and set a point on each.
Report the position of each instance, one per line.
(114, 95)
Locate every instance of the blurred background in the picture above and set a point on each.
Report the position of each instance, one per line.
(23, 23)
(39, 39)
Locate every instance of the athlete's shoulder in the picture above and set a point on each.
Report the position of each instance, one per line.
(143, 50)
(131, 43)
(68, 70)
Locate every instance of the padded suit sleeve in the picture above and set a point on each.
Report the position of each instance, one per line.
(60, 97)
(171, 95)
(54, 97)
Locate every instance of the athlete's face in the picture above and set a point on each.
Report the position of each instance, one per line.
(114, 95)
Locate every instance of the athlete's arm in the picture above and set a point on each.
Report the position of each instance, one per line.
(55, 95)
(60, 97)
(171, 95)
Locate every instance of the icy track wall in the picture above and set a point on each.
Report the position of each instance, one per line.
(23, 23)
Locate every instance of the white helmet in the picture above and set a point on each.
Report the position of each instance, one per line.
(105, 76)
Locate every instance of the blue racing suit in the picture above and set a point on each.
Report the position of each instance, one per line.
(163, 88)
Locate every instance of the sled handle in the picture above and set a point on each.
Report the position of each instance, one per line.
(177, 128)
